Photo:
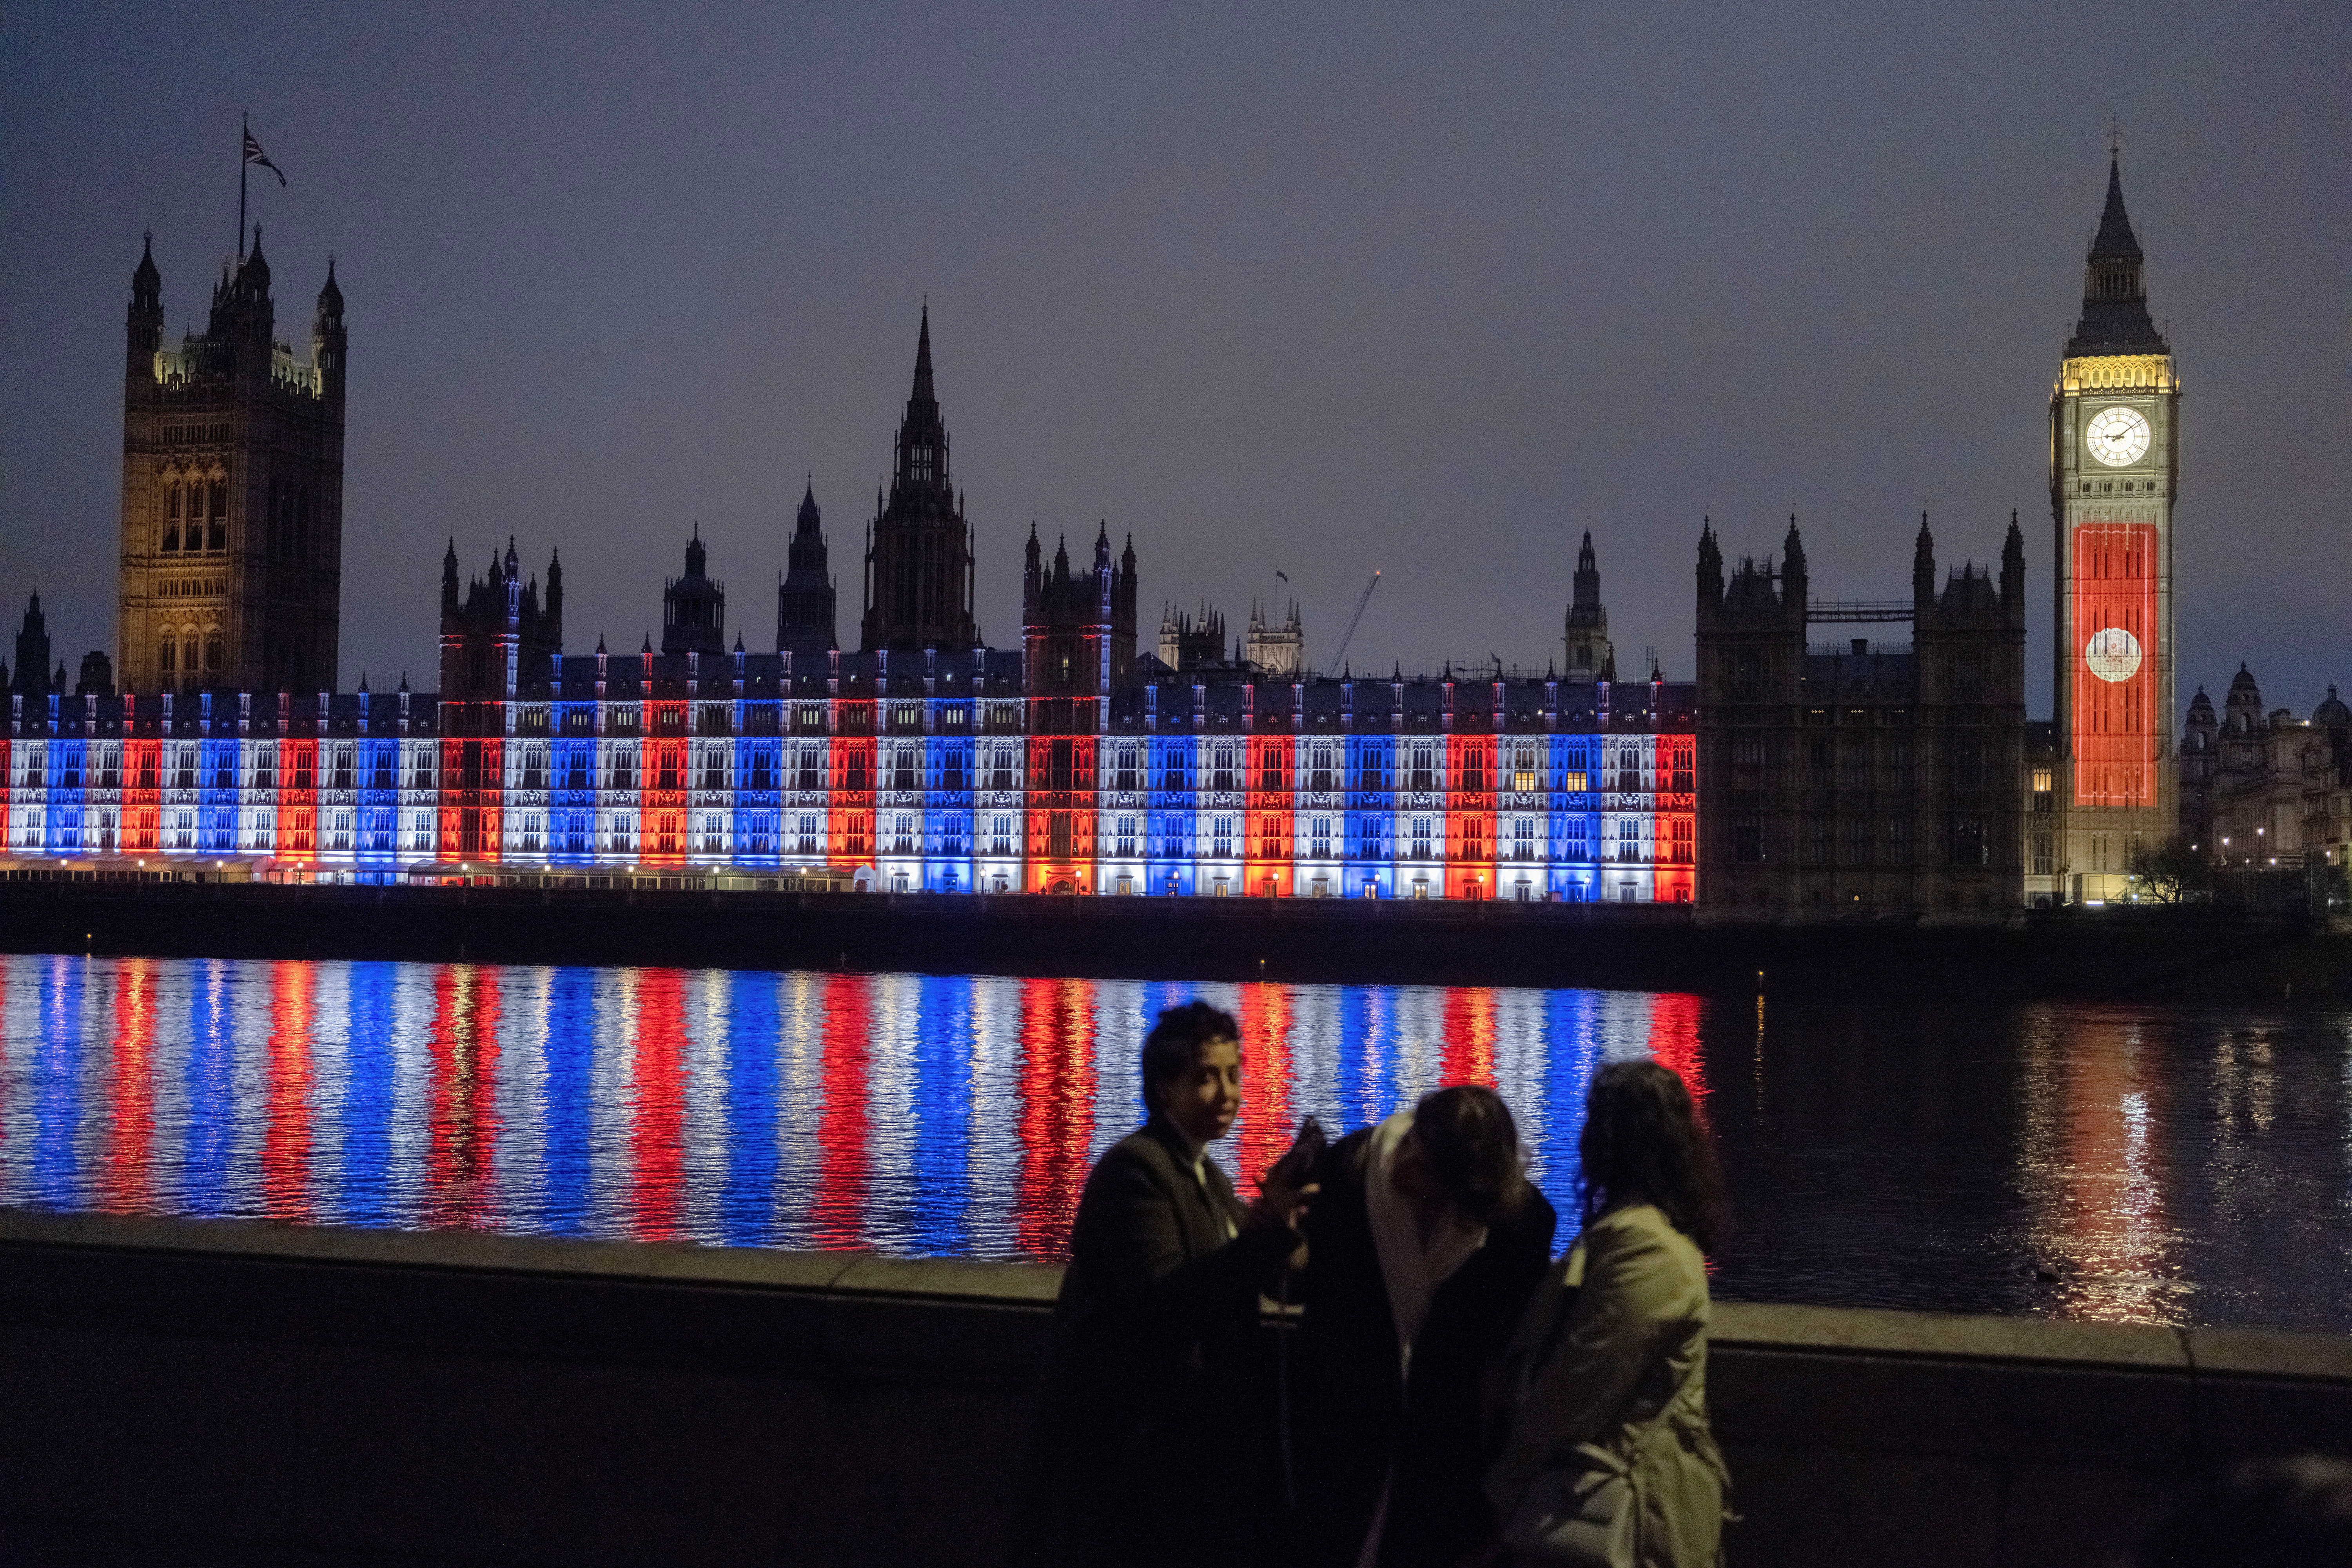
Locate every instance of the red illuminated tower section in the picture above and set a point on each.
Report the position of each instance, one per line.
(1078, 637)
(2114, 471)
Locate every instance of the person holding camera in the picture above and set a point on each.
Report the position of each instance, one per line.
(1157, 1365)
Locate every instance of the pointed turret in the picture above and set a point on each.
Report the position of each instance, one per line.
(449, 578)
(1586, 641)
(1710, 568)
(2013, 570)
(144, 328)
(805, 599)
(2115, 289)
(555, 593)
(1792, 573)
(1923, 569)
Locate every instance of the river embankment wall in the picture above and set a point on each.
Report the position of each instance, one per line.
(204, 1393)
(2164, 954)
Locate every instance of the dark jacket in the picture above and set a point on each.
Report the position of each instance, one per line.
(1356, 1410)
(1155, 1351)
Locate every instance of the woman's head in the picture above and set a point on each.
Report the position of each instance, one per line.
(1643, 1143)
(1192, 1070)
(1465, 1148)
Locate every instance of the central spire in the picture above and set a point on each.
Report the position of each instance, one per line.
(923, 357)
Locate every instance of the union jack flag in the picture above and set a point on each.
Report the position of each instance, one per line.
(254, 154)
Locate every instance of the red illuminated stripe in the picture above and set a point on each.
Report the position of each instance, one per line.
(1270, 826)
(1467, 1055)
(464, 1045)
(1266, 1107)
(837, 1215)
(1057, 1098)
(2116, 730)
(1470, 816)
(657, 1128)
(125, 1179)
(285, 1140)
(1674, 1042)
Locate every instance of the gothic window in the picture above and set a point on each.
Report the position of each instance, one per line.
(1424, 766)
(1898, 840)
(1126, 835)
(167, 656)
(1173, 781)
(1473, 768)
(1320, 771)
(903, 840)
(1221, 766)
(1682, 834)
(1523, 770)
(197, 500)
(1421, 839)
(1001, 835)
(1321, 839)
(1856, 847)
(1125, 766)
(903, 769)
(1270, 769)
(1629, 770)
(1629, 840)
(216, 537)
(1221, 834)
(188, 655)
(1058, 835)
(1523, 839)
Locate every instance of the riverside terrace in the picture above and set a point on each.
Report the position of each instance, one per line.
(941, 772)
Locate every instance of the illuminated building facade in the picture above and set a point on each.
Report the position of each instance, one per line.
(2115, 469)
(1852, 777)
(232, 493)
(1068, 767)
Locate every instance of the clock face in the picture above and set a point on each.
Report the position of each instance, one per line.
(2117, 437)
(2113, 653)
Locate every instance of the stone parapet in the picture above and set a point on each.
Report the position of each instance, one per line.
(203, 1391)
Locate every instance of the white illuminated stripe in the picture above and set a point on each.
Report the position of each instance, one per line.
(800, 1102)
(894, 1024)
(707, 1053)
(1120, 1023)
(1523, 1060)
(408, 1131)
(518, 1188)
(994, 1140)
(330, 1088)
(611, 1104)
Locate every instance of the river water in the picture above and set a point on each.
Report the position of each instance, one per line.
(2116, 1163)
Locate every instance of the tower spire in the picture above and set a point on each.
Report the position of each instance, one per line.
(2115, 286)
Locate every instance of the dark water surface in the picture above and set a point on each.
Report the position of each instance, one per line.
(2123, 1164)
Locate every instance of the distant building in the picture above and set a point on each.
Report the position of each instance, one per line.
(1186, 644)
(1849, 778)
(2265, 791)
(232, 493)
(1276, 649)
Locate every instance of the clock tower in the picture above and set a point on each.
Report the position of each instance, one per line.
(2115, 469)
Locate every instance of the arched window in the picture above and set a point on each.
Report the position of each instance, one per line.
(217, 534)
(212, 653)
(188, 654)
(167, 654)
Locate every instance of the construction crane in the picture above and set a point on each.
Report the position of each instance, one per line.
(1340, 654)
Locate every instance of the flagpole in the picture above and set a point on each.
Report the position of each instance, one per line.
(244, 129)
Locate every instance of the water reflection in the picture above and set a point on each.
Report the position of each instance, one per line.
(2080, 1161)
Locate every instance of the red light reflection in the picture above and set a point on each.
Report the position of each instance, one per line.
(657, 1127)
(285, 1140)
(464, 1046)
(1266, 1128)
(125, 1177)
(1057, 1101)
(836, 1217)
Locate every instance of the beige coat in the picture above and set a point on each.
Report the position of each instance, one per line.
(1615, 1336)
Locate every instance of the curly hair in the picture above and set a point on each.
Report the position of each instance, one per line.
(1643, 1143)
(1473, 1147)
(1175, 1041)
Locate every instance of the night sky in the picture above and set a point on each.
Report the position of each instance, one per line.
(1315, 290)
